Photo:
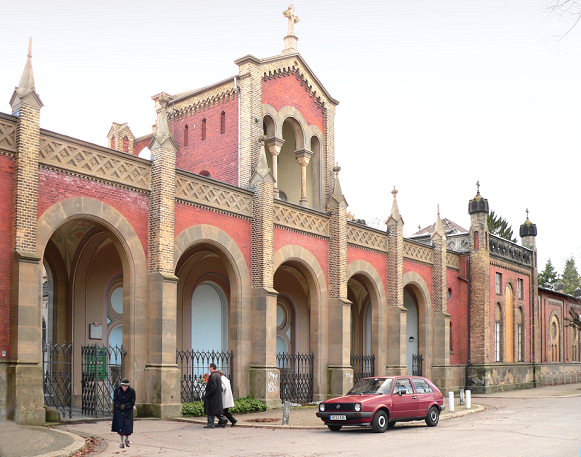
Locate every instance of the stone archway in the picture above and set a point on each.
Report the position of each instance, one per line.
(294, 260)
(416, 286)
(230, 275)
(125, 242)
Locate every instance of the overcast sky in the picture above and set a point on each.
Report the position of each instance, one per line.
(434, 94)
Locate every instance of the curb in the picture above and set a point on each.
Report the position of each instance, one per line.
(77, 445)
(474, 409)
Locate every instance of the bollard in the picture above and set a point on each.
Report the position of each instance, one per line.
(461, 396)
(451, 401)
(468, 399)
(285, 412)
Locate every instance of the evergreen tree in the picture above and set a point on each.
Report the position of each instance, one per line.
(574, 319)
(548, 277)
(499, 226)
(571, 279)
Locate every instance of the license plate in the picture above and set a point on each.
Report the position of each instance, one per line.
(338, 417)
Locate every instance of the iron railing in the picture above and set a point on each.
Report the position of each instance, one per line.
(57, 376)
(417, 360)
(194, 364)
(363, 366)
(102, 371)
(296, 377)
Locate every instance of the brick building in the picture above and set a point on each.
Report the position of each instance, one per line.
(223, 235)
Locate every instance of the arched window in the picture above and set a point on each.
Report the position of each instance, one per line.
(497, 333)
(520, 335)
(186, 133)
(451, 339)
(555, 340)
(125, 144)
(223, 122)
(209, 314)
(476, 242)
(203, 129)
(112, 142)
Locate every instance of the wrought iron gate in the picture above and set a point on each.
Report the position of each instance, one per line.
(296, 377)
(417, 360)
(194, 364)
(102, 371)
(363, 366)
(57, 376)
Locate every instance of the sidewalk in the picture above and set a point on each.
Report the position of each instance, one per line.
(28, 441)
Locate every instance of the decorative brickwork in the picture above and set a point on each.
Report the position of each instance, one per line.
(453, 260)
(439, 270)
(7, 135)
(395, 255)
(358, 235)
(418, 251)
(85, 159)
(337, 205)
(212, 194)
(287, 215)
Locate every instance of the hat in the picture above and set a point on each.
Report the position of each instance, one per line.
(125, 382)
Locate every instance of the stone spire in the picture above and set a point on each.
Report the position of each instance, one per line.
(439, 231)
(290, 40)
(337, 194)
(262, 172)
(25, 92)
(395, 215)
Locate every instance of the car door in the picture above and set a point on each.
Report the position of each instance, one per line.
(424, 395)
(405, 405)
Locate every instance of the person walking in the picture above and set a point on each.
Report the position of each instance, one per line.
(213, 397)
(227, 398)
(123, 402)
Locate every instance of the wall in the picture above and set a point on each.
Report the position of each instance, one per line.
(6, 190)
(218, 153)
(458, 308)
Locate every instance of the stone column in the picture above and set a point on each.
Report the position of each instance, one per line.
(264, 374)
(274, 146)
(162, 378)
(396, 337)
(528, 234)
(340, 370)
(25, 396)
(303, 157)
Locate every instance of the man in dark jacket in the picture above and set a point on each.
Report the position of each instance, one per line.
(123, 402)
(213, 398)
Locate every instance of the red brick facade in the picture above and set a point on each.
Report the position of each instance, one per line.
(6, 186)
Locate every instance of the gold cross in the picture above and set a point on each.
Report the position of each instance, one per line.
(292, 19)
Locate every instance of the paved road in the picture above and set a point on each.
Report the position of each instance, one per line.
(514, 427)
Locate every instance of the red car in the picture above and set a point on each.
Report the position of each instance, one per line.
(382, 401)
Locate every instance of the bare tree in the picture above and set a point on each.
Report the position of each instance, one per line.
(569, 9)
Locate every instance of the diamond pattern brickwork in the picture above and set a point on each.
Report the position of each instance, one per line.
(213, 194)
(419, 252)
(7, 136)
(289, 216)
(94, 161)
(364, 237)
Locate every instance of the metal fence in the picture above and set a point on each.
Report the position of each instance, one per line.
(102, 371)
(57, 376)
(363, 366)
(417, 360)
(559, 377)
(296, 377)
(194, 364)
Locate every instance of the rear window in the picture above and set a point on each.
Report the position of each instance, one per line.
(422, 387)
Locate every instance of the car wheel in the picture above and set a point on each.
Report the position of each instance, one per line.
(334, 428)
(433, 416)
(379, 423)
(391, 424)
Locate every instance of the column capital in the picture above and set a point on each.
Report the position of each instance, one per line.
(274, 145)
(303, 156)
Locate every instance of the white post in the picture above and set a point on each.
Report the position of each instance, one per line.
(468, 399)
(451, 401)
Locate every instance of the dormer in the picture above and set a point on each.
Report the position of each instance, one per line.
(120, 138)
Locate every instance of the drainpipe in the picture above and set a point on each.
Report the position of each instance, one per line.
(237, 89)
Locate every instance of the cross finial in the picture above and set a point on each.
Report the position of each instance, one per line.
(394, 191)
(289, 13)
(336, 169)
(438, 210)
(477, 187)
(527, 213)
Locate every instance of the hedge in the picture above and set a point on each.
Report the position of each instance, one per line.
(241, 406)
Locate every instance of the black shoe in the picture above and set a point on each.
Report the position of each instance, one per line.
(233, 423)
(222, 424)
(209, 426)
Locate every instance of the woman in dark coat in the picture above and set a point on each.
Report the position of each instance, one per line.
(123, 402)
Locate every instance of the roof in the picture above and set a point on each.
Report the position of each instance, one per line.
(450, 227)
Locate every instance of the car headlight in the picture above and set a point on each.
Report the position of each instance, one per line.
(357, 407)
(322, 407)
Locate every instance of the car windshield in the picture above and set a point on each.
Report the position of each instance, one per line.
(372, 386)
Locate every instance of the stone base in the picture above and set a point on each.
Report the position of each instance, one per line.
(450, 378)
(500, 377)
(265, 385)
(162, 397)
(25, 397)
(340, 380)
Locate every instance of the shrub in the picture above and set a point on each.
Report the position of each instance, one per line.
(241, 406)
